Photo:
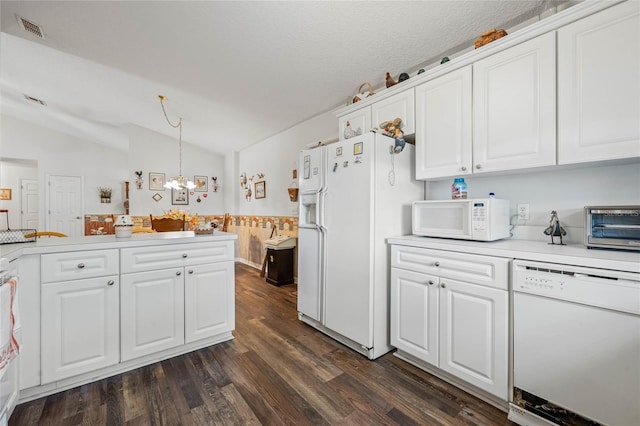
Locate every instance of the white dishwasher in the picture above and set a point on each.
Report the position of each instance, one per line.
(576, 345)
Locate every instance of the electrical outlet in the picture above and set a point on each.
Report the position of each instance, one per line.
(523, 211)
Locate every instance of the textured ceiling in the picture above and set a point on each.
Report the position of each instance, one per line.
(237, 72)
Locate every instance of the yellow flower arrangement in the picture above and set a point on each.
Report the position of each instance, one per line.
(179, 214)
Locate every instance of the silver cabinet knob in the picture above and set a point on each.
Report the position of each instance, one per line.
(431, 282)
(80, 265)
(463, 168)
(111, 282)
(436, 264)
(178, 273)
(478, 166)
(184, 255)
(442, 285)
(191, 271)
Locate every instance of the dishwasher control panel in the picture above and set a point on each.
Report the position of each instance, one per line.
(609, 289)
(541, 283)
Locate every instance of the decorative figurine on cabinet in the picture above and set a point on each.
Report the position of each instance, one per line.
(139, 181)
(554, 229)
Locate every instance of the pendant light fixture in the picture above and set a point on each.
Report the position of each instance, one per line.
(178, 182)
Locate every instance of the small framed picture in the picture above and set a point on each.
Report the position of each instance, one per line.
(180, 197)
(202, 184)
(260, 189)
(156, 181)
(5, 194)
(357, 148)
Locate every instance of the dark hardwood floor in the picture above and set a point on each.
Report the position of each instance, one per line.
(276, 371)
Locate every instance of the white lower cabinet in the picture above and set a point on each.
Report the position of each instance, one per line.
(457, 325)
(80, 326)
(209, 300)
(166, 308)
(152, 312)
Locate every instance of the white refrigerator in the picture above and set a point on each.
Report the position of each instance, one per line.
(353, 195)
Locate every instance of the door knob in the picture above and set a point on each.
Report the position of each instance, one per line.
(478, 166)
(184, 255)
(80, 265)
(191, 271)
(430, 282)
(111, 282)
(437, 264)
(463, 168)
(178, 273)
(442, 285)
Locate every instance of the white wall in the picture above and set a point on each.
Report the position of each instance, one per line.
(567, 191)
(57, 153)
(11, 174)
(276, 157)
(153, 152)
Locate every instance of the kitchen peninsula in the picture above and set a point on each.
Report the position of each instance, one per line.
(93, 307)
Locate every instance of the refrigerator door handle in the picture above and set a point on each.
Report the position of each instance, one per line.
(320, 196)
(322, 242)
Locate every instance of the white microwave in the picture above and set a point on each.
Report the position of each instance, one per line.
(485, 219)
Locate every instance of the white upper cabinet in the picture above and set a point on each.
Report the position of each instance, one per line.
(514, 107)
(599, 86)
(356, 121)
(396, 106)
(443, 125)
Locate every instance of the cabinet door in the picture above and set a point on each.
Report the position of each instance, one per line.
(209, 300)
(443, 126)
(414, 314)
(514, 107)
(359, 120)
(396, 106)
(474, 335)
(80, 327)
(599, 86)
(152, 312)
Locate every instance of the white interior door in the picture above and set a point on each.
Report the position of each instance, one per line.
(65, 205)
(29, 205)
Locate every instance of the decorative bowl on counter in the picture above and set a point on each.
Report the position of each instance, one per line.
(123, 226)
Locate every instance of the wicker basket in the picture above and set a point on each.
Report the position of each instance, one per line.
(489, 36)
(361, 95)
(11, 236)
(203, 231)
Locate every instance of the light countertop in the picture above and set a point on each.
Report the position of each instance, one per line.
(56, 244)
(570, 254)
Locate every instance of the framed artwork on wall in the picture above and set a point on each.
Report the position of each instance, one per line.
(260, 189)
(156, 181)
(180, 197)
(202, 184)
(5, 194)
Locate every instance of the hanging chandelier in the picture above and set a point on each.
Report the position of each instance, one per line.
(178, 182)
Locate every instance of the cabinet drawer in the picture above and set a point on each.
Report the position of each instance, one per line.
(482, 270)
(78, 265)
(142, 259)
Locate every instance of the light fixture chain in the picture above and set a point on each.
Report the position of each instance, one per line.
(179, 181)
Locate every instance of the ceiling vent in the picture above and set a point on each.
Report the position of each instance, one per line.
(30, 27)
(35, 100)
